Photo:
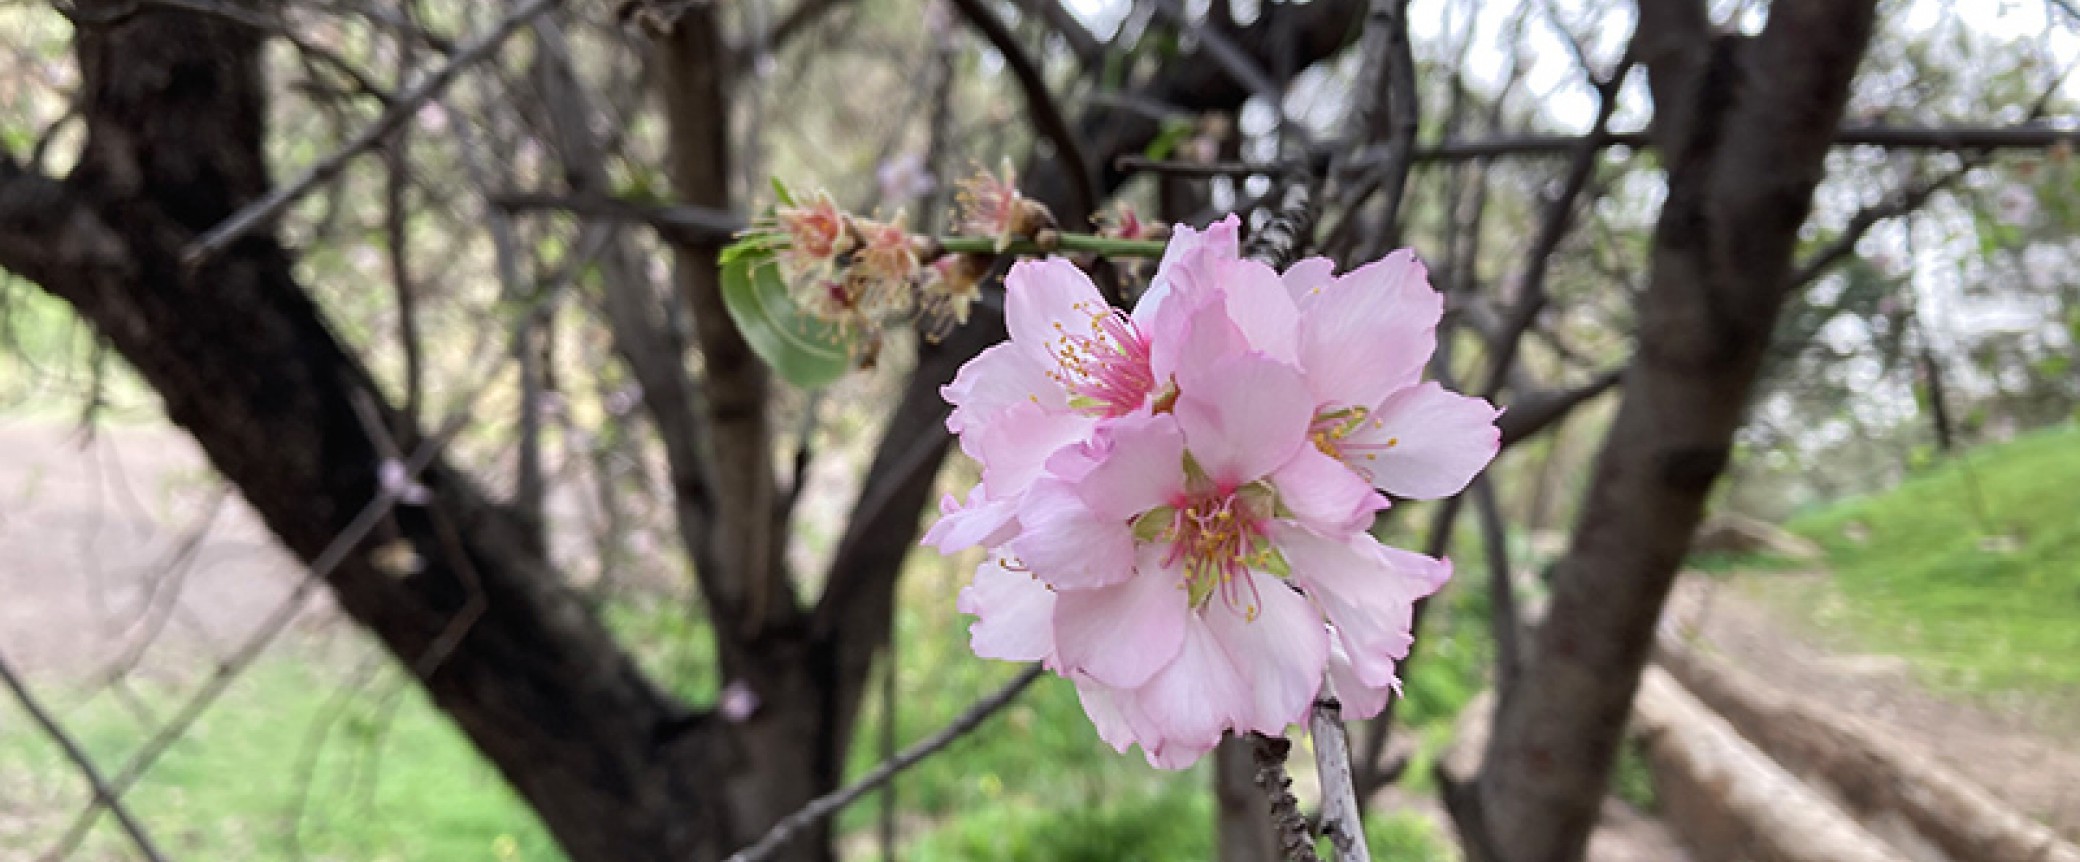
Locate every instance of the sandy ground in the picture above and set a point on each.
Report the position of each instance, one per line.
(111, 545)
(2025, 752)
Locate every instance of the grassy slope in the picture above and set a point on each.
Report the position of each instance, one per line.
(1979, 587)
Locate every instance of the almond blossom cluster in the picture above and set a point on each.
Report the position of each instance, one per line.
(1175, 501)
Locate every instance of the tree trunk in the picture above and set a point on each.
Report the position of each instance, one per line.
(1743, 126)
(175, 108)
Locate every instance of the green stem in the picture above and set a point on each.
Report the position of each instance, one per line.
(1102, 245)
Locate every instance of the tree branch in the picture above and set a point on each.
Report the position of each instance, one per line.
(831, 803)
(254, 214)
(103, 794)
(1047, 114)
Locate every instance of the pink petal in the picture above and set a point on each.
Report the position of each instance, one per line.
(1325, 494)
(1199, 695)
(1122, 635)
(1220, 241)
(1015, 447)
(1142, 467)
(1368, 591)
(1015, 614)
(1279, 654)
(1259, 304)
(1044, 297)
(1242, 417)
(1424, 442)
(1194, 331)
(1371, 332)
(1065, 543)
(980, 521)
(1114, 713)
(1174, 755)
(1360, 701)
(1308, 279)
(998, 379)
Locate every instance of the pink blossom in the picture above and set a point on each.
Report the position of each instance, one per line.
(1175, 501)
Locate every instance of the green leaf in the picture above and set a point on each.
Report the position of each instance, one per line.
(784, 197)
(802, 349)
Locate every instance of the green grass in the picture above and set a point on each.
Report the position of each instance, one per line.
(1034, 783)
(1971, 569)
(394, 781)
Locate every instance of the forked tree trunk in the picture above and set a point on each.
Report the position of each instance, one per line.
(1743, 126)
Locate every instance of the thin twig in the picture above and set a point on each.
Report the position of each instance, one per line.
(334, 554)
(831, 803)
(1047, 114)
(259, 212)
(1332, 762)
(103, 794)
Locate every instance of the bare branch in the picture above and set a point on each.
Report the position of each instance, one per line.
(261, 211)
(1047, 114)
(836, 800)
(103, 794)
(1332, 758)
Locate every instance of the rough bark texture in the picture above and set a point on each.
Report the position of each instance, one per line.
(1743, 125)
(175, 105)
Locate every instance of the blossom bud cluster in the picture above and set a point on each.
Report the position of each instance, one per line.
(1175, 502)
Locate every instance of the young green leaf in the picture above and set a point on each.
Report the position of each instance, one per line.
(802, 349)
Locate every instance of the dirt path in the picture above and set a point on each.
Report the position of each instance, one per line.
(2028, 756)
(103, 544)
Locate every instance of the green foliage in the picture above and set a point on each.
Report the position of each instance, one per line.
(393, 781)
(1968, 569)
(802, 349)
(1632, 779)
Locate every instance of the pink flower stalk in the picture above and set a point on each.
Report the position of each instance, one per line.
(1175, 501)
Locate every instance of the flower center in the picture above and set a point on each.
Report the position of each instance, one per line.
(1106, 371)
(1217, 537)
(1332, 431)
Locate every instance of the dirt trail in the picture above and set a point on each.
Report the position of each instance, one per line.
(91, 539)
(2028, 757)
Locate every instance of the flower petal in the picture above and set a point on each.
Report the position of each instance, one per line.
(1368, 591)
(980, 521)
(1325, 494)
(1220, 241)
(1259, 304)
(1142, 467)
(1370, 332)
(1424, 442)
(1308, 279)
(1360, 701)
(1123, 634)
(998, 379)
(1014, 611)
(1044, 298)
(1279, 653)
(1242, 417)
(1067, 544)
(1114, 712)
(1197, 696)
(1014, 449)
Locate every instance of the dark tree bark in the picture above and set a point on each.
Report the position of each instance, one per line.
(175, 110)
(1743, 125)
